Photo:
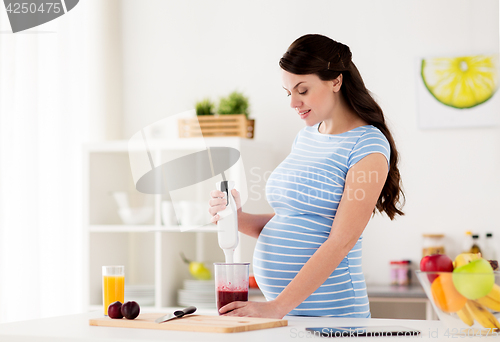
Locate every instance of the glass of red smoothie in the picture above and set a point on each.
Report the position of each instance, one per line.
(231, 282)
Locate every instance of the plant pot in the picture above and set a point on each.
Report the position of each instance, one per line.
(227, 125)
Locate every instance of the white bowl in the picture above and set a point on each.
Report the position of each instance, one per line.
(135, 215)
(168, 214)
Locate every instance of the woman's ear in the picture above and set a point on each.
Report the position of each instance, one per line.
(337, 83)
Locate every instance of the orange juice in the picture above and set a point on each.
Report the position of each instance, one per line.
(113, 290)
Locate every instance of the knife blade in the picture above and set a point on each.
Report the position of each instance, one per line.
(176, 314)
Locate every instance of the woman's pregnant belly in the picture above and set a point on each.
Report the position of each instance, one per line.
(283, 248)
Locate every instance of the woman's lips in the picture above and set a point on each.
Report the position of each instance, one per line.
(304, 114)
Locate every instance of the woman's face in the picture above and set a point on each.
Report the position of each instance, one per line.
(313, 100)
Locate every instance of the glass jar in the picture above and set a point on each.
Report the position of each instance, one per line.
(400, 272)
(394, 272)
(433, 244)
(404, 273)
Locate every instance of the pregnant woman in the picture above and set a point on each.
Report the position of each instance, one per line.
(341, 169)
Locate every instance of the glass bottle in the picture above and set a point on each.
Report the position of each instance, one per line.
(489, 248)
(475, 244)
(467, 244)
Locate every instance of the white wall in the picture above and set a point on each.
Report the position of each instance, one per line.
(177, 52)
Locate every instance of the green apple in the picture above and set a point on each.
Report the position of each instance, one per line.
(475, 279)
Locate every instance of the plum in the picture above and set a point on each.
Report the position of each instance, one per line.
(130, 310)
(115, 310)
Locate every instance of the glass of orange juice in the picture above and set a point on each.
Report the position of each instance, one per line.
(113, 285)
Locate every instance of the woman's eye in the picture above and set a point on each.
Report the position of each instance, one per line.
(303, 93)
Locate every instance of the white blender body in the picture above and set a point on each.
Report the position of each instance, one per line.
(227, 225)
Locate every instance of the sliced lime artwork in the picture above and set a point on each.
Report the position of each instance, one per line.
(458, 91)
(461, 82)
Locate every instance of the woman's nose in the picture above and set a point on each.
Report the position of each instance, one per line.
(294, 102)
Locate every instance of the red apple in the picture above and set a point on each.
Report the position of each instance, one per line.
(436, 263)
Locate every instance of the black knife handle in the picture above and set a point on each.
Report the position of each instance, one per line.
(186, 311)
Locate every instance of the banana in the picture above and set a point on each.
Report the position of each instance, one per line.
(489, 302)
(492, 299)
(465, 316)
(495, 293)
(465, 258)
(482, 315)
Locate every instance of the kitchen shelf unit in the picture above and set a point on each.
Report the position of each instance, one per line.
(150, 251)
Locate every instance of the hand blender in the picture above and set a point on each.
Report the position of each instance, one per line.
(228, 222)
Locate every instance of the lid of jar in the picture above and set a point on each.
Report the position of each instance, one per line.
(395, 262)
(433, 235)
(475, 236)
(489, 235)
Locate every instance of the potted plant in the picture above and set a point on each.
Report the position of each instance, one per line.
(231, 119)
(234, 103)
(205, 107)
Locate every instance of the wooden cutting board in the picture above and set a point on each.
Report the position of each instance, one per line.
(216, 324)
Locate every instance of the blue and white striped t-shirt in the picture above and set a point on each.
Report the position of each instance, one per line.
(305, 191)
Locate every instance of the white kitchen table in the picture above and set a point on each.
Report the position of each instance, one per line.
(73, 328)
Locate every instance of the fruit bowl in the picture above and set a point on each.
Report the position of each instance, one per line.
(466, 303)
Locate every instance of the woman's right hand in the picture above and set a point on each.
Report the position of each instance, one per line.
(217, 203)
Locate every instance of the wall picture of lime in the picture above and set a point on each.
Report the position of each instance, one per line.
(458, 91)
(461, 82)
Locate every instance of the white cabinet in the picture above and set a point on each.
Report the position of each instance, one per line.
(151, 251)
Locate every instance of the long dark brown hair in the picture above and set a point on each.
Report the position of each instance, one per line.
(326, 58)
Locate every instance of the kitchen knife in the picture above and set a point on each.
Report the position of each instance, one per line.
(176, 314)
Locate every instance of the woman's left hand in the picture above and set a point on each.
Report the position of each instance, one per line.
(252, 309)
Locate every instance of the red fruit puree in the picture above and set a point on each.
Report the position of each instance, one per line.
(227, 296)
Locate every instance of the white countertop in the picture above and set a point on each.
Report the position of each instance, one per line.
(76, 328)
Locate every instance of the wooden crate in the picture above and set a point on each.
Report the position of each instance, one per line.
(217, 126)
